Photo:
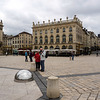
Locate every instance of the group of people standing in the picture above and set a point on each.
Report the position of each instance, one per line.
(30, 56)
(39, 59)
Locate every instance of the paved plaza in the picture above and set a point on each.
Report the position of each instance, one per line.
(78, 79)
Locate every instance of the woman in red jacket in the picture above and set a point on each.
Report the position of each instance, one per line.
(37, 60)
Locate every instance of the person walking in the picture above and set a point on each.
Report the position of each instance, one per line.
(37, 61)
(26, 59)
(97, 53)
(30, 56)
(70, 55)
(73, 53)
(42, 59)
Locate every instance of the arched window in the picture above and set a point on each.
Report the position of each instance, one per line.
(46, 39)
(57, 30)
(70, 47)
(41, 41)
(51, 47)
(45, 47)
(51, 39)
(35, 47)
(70, 29)
(70, 38)
(57, 39)
(36, 40)
(40, 46)
(57, 47)
(63, 47)
(64, 38)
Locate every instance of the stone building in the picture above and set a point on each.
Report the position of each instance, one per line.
(90, 41)
(21, 40)
(99, 41)
(63, 34)
(93, 41)
(25, 40)
(1, 31)
(5, 38)
(1, 36)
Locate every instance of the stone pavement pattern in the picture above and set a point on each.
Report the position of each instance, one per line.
(78, 79)
(11, 90)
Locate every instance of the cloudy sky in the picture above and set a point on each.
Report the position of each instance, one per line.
(18, 15)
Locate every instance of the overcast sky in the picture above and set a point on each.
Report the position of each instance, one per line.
(18, 15)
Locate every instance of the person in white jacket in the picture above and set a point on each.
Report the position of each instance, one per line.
(42, 59)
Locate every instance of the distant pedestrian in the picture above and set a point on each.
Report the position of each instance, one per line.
(42, 59)
(97, 53)
(89, 53)
(30, 56)
(73, 54)
(26, 59)
(70, 55)
(37, 61)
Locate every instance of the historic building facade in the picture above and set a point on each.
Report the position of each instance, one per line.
(90, 41)
(1, 36)
(63, 34)
(22, 40)
(1, 31)
(99, 41)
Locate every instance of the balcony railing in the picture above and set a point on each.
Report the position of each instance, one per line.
(70, 42)
(35, 43)
(63, 42)
(41, 43)
(57, 42)
(51, 43)
(45, 42)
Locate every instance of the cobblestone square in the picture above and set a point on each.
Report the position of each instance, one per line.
(78, 79)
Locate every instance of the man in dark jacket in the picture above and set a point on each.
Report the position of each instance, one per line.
(30, 56)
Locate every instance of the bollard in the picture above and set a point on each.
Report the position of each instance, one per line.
(53, 87)
(33, 67)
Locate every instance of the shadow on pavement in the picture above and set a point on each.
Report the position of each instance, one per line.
(42, 84)
(11, 68)
(75, 75)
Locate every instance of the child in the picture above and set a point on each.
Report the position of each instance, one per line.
(37, 61)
